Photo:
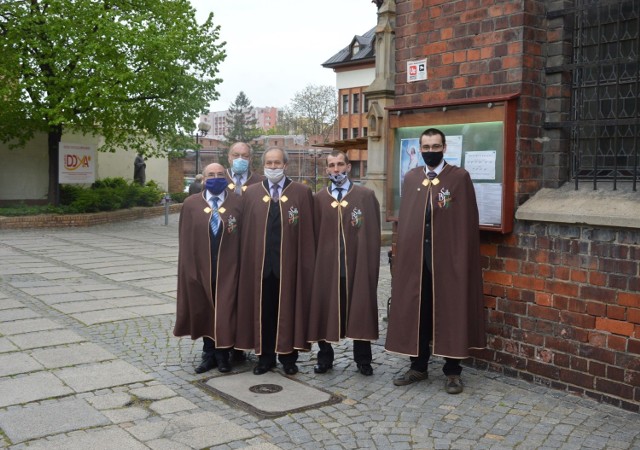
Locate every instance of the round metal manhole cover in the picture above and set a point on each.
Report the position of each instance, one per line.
(265, 388)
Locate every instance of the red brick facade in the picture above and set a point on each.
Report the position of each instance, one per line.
(562, 301)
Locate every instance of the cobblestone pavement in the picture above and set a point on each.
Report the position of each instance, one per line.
(88, 360)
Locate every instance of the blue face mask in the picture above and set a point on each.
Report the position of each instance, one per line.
(216, 185)
(239, 166)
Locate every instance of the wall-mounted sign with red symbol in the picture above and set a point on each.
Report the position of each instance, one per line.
(77, 163)
(416, 70)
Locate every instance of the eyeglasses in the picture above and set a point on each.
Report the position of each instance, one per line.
(434, 147)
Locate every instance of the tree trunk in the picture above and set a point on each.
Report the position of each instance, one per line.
(55, 134)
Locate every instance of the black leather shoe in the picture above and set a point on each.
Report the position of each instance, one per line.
(223, 363)
(261, 369)
(207, 363)
(365, 369)
(291, 369)
(322, 367)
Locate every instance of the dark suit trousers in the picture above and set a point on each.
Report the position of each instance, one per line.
(209, 345)
(421, 362)
(270, 297)
(361, 349)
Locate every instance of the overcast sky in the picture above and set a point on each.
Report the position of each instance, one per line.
(275, 48)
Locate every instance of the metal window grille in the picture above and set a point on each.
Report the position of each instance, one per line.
(605, 90)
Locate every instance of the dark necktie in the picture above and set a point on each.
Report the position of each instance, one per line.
(339, 193)
(432, 175)
(215, 217)
(275, 196)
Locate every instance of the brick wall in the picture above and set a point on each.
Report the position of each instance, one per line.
(563, 307)
(176, 175)
(84, 220)
(562, 302)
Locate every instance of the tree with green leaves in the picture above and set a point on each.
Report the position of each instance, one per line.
(135, 72)
(241, 125)
(314, 110)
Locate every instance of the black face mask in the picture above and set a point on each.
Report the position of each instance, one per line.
(432, 159)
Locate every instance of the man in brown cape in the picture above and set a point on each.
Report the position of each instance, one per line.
(436, 288)
(277, 257)
(240, 177)
(208, 265)
(343, 299)
(239, 173)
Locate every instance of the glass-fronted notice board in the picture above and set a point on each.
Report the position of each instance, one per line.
(480, 137)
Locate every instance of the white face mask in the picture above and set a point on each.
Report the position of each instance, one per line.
(338, 178)
(274, 175)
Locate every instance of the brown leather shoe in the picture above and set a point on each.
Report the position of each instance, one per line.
(410, 376)
(453, 384)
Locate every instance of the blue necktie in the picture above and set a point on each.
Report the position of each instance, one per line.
(215, 217)
(339, 193)
(431, 175)
(238, 179)
(275, 192)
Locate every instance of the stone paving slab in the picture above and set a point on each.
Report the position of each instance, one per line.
(271, 394)
(64, 297)
(9, 315)
(15, 363)
(28, 326)
(9, 303)
(35, 421)
(100, 439)
(6, 345)
(31, 387)
(72, 355)
(153, 310)
(205, 429)
(103, 316)
(45, 339)
(100, 376)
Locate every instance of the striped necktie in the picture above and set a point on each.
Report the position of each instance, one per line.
(238, 179)
(275, 194)
(215, 217)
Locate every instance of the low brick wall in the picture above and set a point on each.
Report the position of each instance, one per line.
(84, 220)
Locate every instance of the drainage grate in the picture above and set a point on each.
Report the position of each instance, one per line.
(265, 388)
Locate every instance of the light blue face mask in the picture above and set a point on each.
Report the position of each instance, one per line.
(239, 166)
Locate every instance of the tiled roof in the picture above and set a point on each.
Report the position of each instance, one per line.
(367, 52)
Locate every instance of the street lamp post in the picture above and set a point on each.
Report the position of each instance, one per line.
(203, 129)
(315, 154)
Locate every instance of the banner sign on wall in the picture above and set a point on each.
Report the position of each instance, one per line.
(77, 163)
(416, 70)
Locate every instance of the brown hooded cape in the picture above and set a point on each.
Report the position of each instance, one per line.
(358, 216)
(198, 314)
(296, 266)
(458, 310)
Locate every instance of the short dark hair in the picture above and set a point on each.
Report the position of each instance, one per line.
(433, 132)
(336, 153)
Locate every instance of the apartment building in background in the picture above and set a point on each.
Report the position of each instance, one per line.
(354, 66)
(266, 118)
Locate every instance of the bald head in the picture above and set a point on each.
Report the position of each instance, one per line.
(213, 170)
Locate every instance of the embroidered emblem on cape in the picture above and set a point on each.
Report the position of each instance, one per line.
(294, 216)
(232, 223)
(444, 198)
(356, 217)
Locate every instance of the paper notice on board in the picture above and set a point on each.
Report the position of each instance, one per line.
(489, 199)
(453, 155)
(481, 165)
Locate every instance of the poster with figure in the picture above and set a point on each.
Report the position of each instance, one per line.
(410, 157)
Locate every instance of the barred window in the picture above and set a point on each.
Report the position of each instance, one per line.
(605, 88)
